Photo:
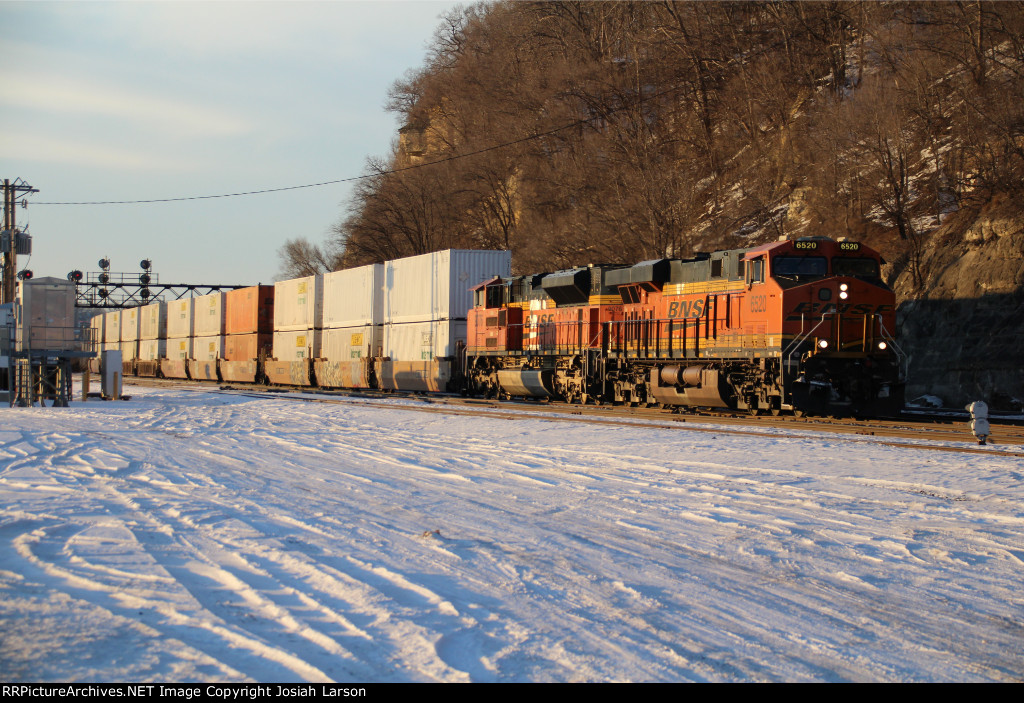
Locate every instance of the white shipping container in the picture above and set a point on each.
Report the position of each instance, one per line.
(153, 324)
(297, 345)
(130, 326)
(298, 304)
(112, 327)
(178, 348)
(179, 319)
(436, 286)
(152, 349)
(423, 341)
(129, 350)
(354, 297)
(207, 348)
(96, 327)
(348, 343)
(208, 313)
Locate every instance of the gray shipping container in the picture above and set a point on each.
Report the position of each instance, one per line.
(48, 314)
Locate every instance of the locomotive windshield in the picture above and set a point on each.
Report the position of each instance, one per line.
(860, 267)
(799, 268)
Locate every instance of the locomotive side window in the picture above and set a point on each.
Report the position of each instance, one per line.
(756, 271)
(861, 267)
(495, 295)
(799, 267)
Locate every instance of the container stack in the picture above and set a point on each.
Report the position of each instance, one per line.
(179, 339)
(426, 301)
(353, 330)
(208, 342)
(248, 332)
(298, 330)
(152, 338)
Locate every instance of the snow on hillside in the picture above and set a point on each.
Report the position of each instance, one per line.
(188, 535)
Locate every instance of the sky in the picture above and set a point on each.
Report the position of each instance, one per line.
(109, 101)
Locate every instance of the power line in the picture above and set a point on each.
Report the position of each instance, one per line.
(453, 157)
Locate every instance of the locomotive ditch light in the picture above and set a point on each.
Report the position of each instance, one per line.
(843, 295)
(823, 344)
(883, 346)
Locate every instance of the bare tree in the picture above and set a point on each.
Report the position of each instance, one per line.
(301, 258)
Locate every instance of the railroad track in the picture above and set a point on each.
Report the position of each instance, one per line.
(1008, 440)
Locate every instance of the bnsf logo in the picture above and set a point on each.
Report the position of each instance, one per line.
(685, 308)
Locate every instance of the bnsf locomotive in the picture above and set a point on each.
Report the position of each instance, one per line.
(802, 326)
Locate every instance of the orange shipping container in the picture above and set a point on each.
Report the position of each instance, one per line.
(246, 347)
(249, 310)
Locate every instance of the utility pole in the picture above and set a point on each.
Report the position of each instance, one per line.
(11, 191)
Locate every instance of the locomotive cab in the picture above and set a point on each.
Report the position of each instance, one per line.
(838, 352)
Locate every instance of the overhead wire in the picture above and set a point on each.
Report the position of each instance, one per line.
(452, 157)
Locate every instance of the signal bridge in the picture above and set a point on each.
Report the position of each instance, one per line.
(106, 289)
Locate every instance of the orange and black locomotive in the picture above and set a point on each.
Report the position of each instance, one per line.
(801, 326)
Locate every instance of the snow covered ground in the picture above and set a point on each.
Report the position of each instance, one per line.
(188, 535)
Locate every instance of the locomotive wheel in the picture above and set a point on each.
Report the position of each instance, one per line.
(776, 411)
(753, 411)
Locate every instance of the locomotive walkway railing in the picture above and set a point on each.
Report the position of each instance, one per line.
(641, 338)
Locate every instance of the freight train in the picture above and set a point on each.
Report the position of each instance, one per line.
(800, 326)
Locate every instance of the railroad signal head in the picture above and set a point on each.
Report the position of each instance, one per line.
(104, 263)
(144, 279)
(104, 277)
(104, 292)
(144, 293)
(75, 276)
(146, 264)
(24, 275)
